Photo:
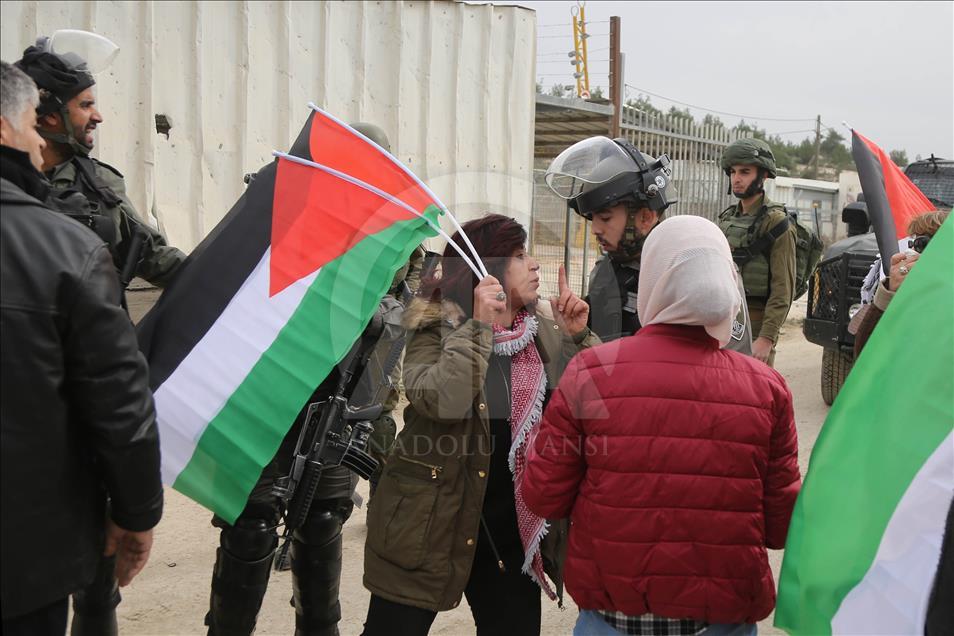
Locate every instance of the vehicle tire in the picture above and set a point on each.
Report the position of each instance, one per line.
(834, 369)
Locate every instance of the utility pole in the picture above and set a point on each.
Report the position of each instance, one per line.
(817, 146)
(616, 80)
(578, 56)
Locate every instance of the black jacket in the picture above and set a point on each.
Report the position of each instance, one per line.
(76, 413)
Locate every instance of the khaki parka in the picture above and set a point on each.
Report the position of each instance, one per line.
(424, 519)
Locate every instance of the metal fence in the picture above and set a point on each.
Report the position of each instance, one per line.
(558, 236)
(695, 151)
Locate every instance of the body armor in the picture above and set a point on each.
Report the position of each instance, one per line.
(741, 230)
(612, 298)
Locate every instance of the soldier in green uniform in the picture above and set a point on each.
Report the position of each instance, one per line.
(66, 118)
(768, 274)
(624, 193)
(95, 194)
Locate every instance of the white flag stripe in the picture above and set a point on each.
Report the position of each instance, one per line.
(197, 390)
(892, 597)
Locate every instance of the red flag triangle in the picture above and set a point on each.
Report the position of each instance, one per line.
(334, 145)
(904, 198)
(317, 217)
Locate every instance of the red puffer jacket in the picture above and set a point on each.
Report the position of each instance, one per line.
(677, 464)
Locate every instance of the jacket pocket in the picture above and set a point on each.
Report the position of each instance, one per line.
(400, 517)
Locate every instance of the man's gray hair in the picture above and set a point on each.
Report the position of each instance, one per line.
(17, 93)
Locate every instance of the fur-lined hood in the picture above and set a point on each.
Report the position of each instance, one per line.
(423, 313)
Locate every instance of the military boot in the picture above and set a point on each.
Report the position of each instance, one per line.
(243, 564)
(316, 572)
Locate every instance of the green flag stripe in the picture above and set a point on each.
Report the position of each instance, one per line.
(244, 435)
(892, 413)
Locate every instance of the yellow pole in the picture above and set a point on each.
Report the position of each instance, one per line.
(584, 37)
(576, 49)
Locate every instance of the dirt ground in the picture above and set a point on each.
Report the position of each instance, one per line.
(171, 595)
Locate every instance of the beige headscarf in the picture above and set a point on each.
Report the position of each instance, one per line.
(687, 277)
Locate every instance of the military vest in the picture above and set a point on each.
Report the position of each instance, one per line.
(613, 290)
(89, 200)
(741, 230)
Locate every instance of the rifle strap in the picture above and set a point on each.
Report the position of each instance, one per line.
(86, 170)
(394, 355)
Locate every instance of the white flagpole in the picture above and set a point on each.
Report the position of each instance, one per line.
(413, 176)
(384, 195)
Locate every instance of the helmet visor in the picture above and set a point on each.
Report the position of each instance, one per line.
(82, 49)
(591, 161)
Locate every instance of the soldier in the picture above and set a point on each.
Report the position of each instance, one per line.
(66, 118)
(94, 193)
(389, 351)
(247, 547)
(767, 260)
(624, 193)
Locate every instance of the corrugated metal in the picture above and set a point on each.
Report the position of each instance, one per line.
(451, 83)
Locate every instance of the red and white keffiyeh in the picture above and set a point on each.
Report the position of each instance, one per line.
(527, 390)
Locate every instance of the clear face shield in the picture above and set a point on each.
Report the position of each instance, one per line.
(82, 50)
(589, 162)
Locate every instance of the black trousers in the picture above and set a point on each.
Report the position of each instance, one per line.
(45, 621)
(502, 603)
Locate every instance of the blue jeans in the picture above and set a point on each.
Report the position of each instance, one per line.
(590, 623)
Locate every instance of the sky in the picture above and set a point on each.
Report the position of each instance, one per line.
(885, 68)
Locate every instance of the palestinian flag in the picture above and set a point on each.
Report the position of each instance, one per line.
(892, 199)
(271, 301)
(864, 543)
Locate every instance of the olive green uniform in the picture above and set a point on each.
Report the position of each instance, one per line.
(769, 282)
(159, 260)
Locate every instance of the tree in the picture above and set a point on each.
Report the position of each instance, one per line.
(558, 90)
(835, 152)
(900, 157)
(804, 151)
(597, 93)
(677, 113)
(712, 120)
(539, 88)
(642, 103)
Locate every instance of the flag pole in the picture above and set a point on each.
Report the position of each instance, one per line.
(483, 270)
(384, 195)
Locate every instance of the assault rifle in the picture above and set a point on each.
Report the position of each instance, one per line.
(332, 434)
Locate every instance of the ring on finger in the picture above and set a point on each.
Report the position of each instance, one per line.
(501, 296)
(903, 270)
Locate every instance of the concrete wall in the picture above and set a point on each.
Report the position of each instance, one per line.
(451, 83)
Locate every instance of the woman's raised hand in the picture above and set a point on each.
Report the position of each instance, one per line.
(488, 305)
(569, 310)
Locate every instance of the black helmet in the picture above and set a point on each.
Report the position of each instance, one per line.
(62, 66)
(600, 172)
(749, 152)
(374, 133)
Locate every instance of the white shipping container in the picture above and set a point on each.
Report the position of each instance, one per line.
(451, 83)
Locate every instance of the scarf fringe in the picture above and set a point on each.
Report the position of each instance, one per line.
(513, 343)
(516, 344)
(531, 554)
(536, 413)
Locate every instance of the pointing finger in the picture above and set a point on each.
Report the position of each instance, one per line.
(562, 280)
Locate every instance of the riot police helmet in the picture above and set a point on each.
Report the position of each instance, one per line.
(600, 172)
(63, 65)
